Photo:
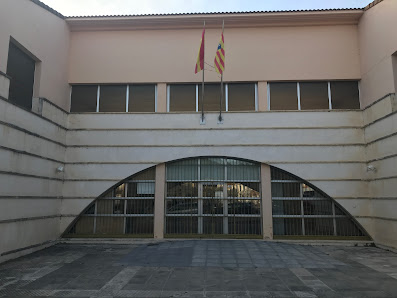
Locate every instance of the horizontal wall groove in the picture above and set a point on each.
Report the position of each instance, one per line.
(30, 176)
(215, 128)
(382, 158)
(37, 115)
(384, 178)
(31, 133)
(28, 218)
(382, 138)
(376, 217)
(379, 119)
(217, 145)
(31, 154)
(30, 198)
(378, 100)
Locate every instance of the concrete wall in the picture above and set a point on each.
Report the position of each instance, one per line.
(44, 35)
(380, 120)
(325, 148)
(378, 42)
(31, 148)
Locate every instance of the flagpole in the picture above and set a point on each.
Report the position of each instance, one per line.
(220, 119)
(202, 85)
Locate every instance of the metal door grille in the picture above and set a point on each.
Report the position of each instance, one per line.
(300, 210)
(126, 210)
(213, 196)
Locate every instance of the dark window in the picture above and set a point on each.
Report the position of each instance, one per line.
(345, 95)
(241, 97)
(283, 96)
(84, 98)
(20, 67)
(182, 98)
(112, 98)
(142, 98)
(314, 95)
(212, 94)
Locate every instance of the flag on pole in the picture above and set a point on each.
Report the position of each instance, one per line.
(200, 57)
(219, 61)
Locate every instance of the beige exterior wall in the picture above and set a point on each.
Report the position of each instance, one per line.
(267, 53)
(378, 42)
(44, 35)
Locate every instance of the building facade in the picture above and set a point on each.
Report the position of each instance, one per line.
(100, 132)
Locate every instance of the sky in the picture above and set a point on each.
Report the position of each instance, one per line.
(120, 7)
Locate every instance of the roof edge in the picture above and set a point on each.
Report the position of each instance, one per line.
(372, 4)
(49, 9)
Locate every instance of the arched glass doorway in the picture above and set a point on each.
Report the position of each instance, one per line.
(210, 196)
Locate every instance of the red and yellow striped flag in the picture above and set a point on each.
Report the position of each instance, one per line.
(200, 57)
(219, 61)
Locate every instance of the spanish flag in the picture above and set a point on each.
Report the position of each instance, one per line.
(200, 57)
(219, 61)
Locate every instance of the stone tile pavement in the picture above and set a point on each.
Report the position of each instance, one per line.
(201, 268)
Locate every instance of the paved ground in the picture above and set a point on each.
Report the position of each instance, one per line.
(202, 268)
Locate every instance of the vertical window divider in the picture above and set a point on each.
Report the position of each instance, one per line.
(70, 96)
(268, 96)
(298, 91)
(127, 97)
(226, 97)
(98, 93)
(155, 98)
(359, 92)
(197, 96)
(168, 98)
(256, 96)
(329, 96)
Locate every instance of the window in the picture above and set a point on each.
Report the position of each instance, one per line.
(20, 67)
(283, 96)
(142, 98)
(241, 97)
(112, 98)
(212, 94)
(182, 98)
(345, 95)
(314, 95)
(84, 98)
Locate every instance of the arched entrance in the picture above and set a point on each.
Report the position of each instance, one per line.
(215, 197)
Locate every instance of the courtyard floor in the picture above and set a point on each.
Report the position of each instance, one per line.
(201, 268)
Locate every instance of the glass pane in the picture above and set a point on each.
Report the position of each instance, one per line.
(211, 97)
(182, 189)
(120, 191)
(240, 206)
(243, 190)
(182, 98)
(213, 190)
(149, 174)
(142, 98)
(90, 210)
(345, 95)
(110, 225)
(212, 225)
(20, 67)
(241, 97)
(317, 207)
(244, 225)
(314, 95)
(346, 227)
(285, 189)
(104, 207)
(141, 189)
(309, 192)
(319, 226)
(283, 96)
(212, 169)
(287, 207)
(183, 170)
(118, 207)
(84, 99)
(112, 98)
(287, 226)
(181, 206)
(85, 225)
(278, 174)
(140, 206)
(212, 206)
(181, 225)
(139, 225)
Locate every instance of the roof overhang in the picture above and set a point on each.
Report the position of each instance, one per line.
(193, 21)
